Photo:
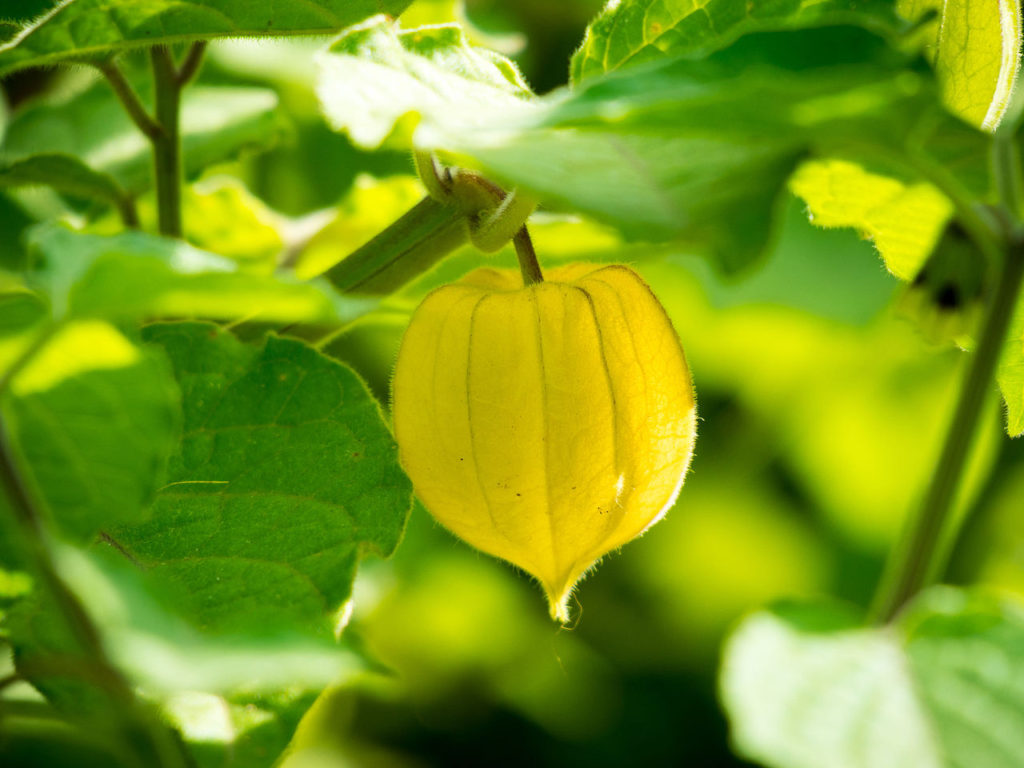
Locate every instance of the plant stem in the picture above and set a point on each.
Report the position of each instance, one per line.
(163, 130)
(527, 257)
(128, 212)
(916, 561)
(1006, 173)
(167, 142)
(129, 100)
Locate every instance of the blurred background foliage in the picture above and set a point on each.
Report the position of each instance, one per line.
(821, 399)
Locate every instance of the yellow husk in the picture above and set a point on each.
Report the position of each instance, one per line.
(545, 425)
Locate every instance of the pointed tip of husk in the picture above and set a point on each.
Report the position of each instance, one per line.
(558, 599)
(559, 609)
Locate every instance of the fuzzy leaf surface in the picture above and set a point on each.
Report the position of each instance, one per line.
(904, 220)
(975, 47)
(286, 475)
(89, 30)
(635, 31)
(940, 688)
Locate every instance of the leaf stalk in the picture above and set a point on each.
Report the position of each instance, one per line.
(919, 558)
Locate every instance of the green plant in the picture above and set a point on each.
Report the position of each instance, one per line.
(190, 474)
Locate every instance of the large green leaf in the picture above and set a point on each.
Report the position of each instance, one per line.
(433, 72)
(630, 32)
(136, 275)
(89, 30)
(687, 149)
(94, 419)
(217, 122)
(942, 688)
(285, 476)
(975, 48)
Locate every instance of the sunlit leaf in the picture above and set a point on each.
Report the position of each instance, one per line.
(903, 220)
(94, 418)
(285, 477)
(975, 48)
(801, 685)
(87, 30)
(220, 215)
(941, 688)
(630, 32)
(432, 71)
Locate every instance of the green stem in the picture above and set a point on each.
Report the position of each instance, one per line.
(915, 563)
(167, 142)
(129, 100)
(1006, 173)
(528, 264)
(128, 212)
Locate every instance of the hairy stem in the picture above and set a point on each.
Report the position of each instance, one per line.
(528, 264)
(130, 100)
(1006, 173)
(915, 563)
(167, 143)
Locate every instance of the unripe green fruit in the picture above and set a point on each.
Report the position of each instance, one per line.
(548, 424)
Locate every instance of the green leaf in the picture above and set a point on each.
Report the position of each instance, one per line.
(904, 220)
(161, 651)
(216, 123)
(136, 275)
(975, 49)
(433, 72)
(940, 689)
(285, 476)
(236, 698)
(65, 174)
(632, 32)
(697, 150)
(967, 659)
(90, 30)
(94, 419)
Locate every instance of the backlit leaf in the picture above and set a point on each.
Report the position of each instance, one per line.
(87, 30)
(630, 32)
(975, 48)
(903, 220)
(432, 72)
(941, 688)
